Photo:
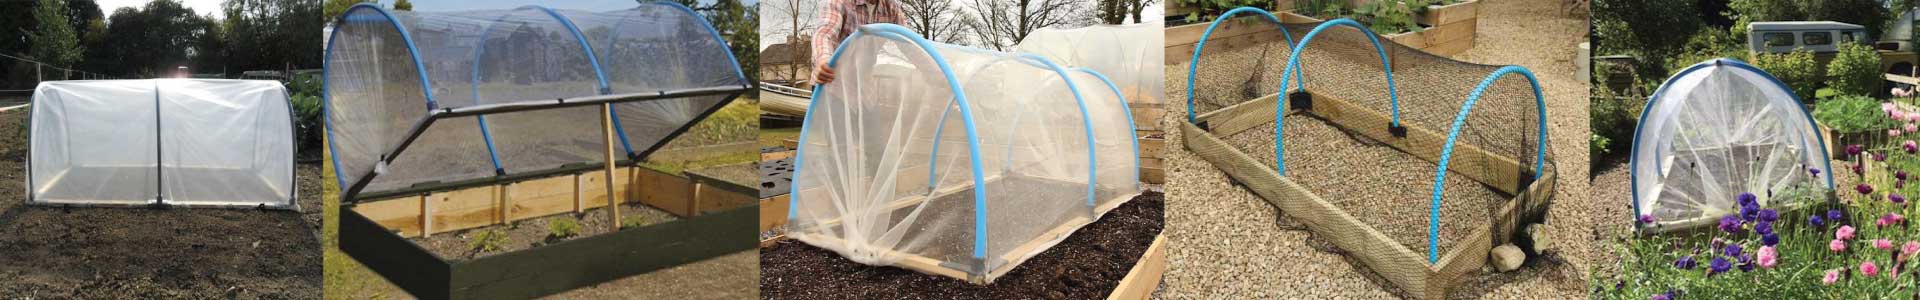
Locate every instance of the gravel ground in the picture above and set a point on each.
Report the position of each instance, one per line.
(1228, 247)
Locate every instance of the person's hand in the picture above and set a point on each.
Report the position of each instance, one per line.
(822, 74)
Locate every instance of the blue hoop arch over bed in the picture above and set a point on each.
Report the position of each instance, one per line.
(1047, 149)
(530, 78)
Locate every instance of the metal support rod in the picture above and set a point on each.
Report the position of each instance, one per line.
(613, 199)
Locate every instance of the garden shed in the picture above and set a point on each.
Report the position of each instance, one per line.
(956, 161)
(480, 118)
(1715, 130)
(185, 142)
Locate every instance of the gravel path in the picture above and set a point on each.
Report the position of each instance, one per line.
(1229, 245)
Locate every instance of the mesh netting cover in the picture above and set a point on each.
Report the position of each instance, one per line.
(974, 158)
(167, 141)
(477, 94)
(1130, 55)
(1713, 131)
(1475, 106)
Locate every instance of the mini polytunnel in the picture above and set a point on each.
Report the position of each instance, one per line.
(189, 142)
(953, 160)
(423, 98)
(1416, 164)
(1129, 55)
(463, 120)
(1713, 131)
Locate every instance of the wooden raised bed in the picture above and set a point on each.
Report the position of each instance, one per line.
(375, 232)
(1139, 283)
(1391, 260)
(1449, 31)
(1146, 123)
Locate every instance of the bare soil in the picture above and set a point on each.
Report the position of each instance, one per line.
(533, 233)
(1087, 265)
(153, 253)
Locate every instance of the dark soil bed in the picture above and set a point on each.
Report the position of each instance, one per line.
(148, 253)
(1087, 265)
(533, 233)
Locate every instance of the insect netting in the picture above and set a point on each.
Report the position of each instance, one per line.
(193, 142)
(1131, 55)
(973, 159)
(1486, 122)
(1713, 131)
(473, 96)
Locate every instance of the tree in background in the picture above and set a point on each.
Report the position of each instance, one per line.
(1117, 11)
(54, 40)
(1001, 24)
(403, 5)
(1797, 69)
(269, 35)
(1855, 70)
(151, 40)
(1645, 29)
(937, 20)
(739, 26)
(1869, 13)
(333, 8)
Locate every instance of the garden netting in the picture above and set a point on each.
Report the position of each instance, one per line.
(975, 159)
(190, 142)
(1713, 131)
(477, 95)
(1494, 109)
(1130, 55)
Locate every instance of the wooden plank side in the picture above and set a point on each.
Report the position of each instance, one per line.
(1468, 160)
(591, 260)
(1152, 147)
(1440, 35)
(480, 206)
(1145, 275)
(715, 199)
(1455, 47)
(1018, 254)
(673, 194)
(1391, 260)
(1449, 14)
(1146, 117)
(1177, 54)
(1240, 117)
(541, 197)
(401, 215)
(1416, 39)
(773, 212)
(1153, 175)
(1466, 256)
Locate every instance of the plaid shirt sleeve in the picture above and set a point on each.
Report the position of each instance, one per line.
(828, 35)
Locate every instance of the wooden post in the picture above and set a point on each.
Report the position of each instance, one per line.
(613, 200)
(426, 216)
(579, 204)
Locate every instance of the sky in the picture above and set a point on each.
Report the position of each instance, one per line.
(212, 7)
(768, 38)
(200, 7)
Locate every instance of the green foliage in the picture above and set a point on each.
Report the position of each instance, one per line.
(270, 35)
(1869, 13)
(1797, 69)
(334, 8)
(562, 228)
(307, 114)
(633, 221)
(1598, 146)
(1706, 44)
(1855, 70)
(1613, 119)
(1207, 10)
(1387, 17)
(154, 38)
(1852, 114)
(1643, 28)
(403, 5)
(488, 240)
(54, 41)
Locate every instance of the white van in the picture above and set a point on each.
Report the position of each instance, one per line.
(1816, 36)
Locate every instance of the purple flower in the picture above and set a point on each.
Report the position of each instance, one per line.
(1763, 228)
(1646, 219)
(1769, 215)
(1747, 199)
(1896, 198)
(1730, 224)
(1718, 265)
(1901, 175)
(1662, 296)
(1853, 150)
(1732, 250)
(1815, 220)
(1685, 263)
(1836, 215)
(1746, 263)
(1770, 240)
(1749, 212)
(1879, 157)
(1863, 189)
(1814, 171)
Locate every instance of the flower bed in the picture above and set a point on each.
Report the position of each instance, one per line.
(1813, 243)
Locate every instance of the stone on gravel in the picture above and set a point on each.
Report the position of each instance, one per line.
(1507, 257)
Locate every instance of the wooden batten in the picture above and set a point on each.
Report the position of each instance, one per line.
(1240, 117)
(478, 206)
(1145, 275)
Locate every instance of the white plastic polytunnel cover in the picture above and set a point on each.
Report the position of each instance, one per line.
(977, 159)
(444, 98)
(1713, 131)
(189, 142)
(1130, 55)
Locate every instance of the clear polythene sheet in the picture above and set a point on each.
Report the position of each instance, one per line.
(889, 169)
(1714, 131)
(388, 70)
(1130, 55)
(179, 141)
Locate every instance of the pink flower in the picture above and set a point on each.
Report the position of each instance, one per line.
(1837, 245)
(1888, 107)
(1832, 276)
(1882, 222)
(1844, 233)
(1897, 92)
(1883, 244)
(1869, 269)
(1911, 127)
(1769, 257)
(1893, 132)
(1910, 248)
(1897, 115)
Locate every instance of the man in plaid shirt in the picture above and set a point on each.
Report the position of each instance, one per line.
(838, 20)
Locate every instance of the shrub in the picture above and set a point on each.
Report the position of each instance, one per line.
(633, 221)
(563, 228)
(1797, 69)
(1852, 114)
(304, 93)
(488, 240)
(1387, 17)
(1855, 70)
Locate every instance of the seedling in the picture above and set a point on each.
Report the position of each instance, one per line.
(488, 241)
(563, 228)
